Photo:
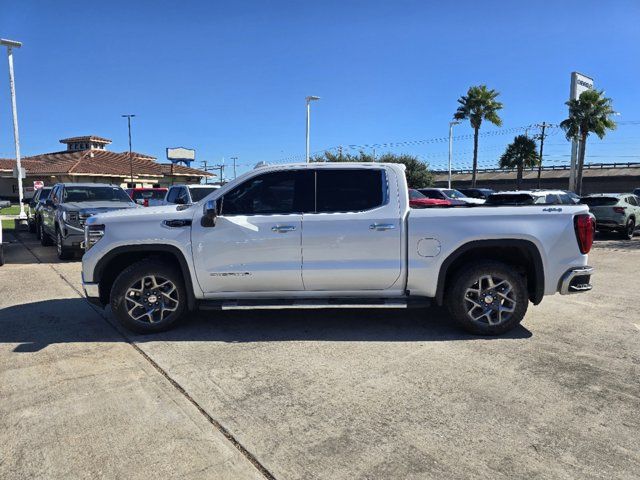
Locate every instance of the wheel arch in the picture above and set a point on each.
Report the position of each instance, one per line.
(521, 253)
(116, 260)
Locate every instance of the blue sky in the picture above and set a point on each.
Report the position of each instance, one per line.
(229, 78)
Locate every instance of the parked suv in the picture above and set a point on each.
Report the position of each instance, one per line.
(34, 207)
(615, 212)
(188, 194)
(67, 208)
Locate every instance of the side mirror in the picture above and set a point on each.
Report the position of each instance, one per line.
(209, 214)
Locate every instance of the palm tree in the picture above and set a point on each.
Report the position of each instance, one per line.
(590, 113)
(519, 154)
(478, 104)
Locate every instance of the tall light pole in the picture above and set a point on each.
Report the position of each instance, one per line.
(451, 124)
(309, 99)
(128, 117)
(234, 166)
(11, 44)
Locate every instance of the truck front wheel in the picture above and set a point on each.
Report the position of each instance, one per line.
(148, 296)
(488, 298)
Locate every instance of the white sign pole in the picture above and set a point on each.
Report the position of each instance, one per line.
(579, 84)
(16, 136)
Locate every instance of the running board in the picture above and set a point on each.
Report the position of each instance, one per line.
(280, 304)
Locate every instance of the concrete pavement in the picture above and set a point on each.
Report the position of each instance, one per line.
(327, 395)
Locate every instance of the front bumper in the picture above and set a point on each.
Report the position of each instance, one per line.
(92, 292)
(576, 280)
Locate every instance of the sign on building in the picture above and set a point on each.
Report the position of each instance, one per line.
(181, 154)
(23, 173)
(579, 83)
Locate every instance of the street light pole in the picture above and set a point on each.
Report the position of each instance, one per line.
(11, 44)
(309, 99)
(129, 116)
(451, 124)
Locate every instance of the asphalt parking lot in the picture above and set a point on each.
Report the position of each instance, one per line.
(327, 394)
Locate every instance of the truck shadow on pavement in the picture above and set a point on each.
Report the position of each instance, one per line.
(615, 242)
(34, 326)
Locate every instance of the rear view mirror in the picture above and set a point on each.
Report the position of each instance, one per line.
(209, 214)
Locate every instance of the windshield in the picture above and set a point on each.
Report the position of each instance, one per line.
(94, 194)
(599, 201)
(414, 194)
(451, 193)
(198, 194)
(149, 194)
(44, 193)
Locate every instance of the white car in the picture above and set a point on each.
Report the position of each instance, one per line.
(331, 235)
(187, 194)
(451, 194)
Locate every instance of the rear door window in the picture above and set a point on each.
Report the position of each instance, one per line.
(344, 190)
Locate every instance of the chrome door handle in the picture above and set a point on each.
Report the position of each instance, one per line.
(381, 226)
(283, 228)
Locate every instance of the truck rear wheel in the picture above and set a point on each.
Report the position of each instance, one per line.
(488, 298)
(148, 296)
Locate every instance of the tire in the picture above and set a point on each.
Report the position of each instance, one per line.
(494, 309)
(149, 283)
(38, 232)
(45, 239)
(64, 253)
(629, 230)
(32, 227)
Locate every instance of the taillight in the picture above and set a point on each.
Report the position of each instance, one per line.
(619, 209)
(146, 202)
(584, 232)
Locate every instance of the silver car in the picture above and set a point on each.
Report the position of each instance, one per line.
(615, 212)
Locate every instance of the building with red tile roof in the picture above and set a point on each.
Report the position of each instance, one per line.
(86, 159)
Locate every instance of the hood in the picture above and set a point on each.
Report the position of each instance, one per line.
(477, 201)
(95, 207)
(142, 214)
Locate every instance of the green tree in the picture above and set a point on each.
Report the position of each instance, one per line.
(590, 113)
(417, 172)
(477, 105)
(519, 154)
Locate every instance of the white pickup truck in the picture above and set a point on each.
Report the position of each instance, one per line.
(332, 236)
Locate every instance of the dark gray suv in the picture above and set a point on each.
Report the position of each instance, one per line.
(69, 205)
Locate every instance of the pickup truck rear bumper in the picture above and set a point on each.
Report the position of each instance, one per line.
(576, 280)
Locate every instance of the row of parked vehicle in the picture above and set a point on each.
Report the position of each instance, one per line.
(57, 214)
(614, 212)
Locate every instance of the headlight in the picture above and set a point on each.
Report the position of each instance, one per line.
(70, 216)
(92, 234)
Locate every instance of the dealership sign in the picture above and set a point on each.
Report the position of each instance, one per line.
(38, 184)
(579, 83)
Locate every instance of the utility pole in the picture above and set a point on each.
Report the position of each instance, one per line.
(11, 44)
(234, 166)
(451, 124)
(308, 100)
(542, 135)
(128, 117)
(204, 167)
